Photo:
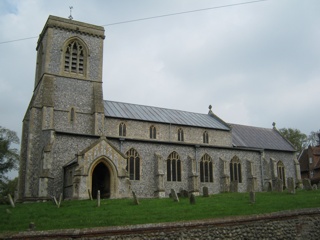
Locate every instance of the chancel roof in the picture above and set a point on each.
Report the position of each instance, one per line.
(162, 115)
(255, 137)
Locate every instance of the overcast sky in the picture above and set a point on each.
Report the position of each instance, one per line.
(254, 63)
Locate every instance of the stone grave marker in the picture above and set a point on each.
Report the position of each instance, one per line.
(184, 193)
(278, 185)
(267, 186)
(192, 199)
(135, 199)
(174, 195)
(291, 185)
(314, 187)
(205, 191)
(306, 184)
(252, 197)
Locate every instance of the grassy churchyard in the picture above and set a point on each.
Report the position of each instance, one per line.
(116, 212)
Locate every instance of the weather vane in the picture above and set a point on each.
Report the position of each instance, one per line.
(70, 17)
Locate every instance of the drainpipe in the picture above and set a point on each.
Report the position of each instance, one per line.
(261, 168)
(169, 132)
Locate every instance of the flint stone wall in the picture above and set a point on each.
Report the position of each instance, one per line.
(297, 224)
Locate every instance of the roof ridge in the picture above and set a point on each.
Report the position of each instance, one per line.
(155, 107)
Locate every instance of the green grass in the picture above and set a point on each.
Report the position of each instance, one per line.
(116, 212)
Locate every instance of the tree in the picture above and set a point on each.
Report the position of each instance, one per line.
(297, 138)
(313, 139)
(9, 157)
(7, 187)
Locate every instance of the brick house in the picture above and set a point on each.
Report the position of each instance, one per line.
(309, 161)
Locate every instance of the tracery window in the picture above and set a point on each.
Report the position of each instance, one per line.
(74, 57)
(122, 130)
(180, 135)
(205, 137)
(206, 169)
(133, 164)
(153, 132)
(281, 172)
(235, 170)
(174, 168)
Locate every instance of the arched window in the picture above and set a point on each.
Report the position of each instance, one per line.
(174, 168)
(235, 170)
(206, 169)
(153, 132)
(74, 57)
(281, 172)
(133, 164)
(122, 130)
(205, 137)
(180, 135)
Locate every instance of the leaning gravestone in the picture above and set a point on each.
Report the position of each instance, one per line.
(252, 197)
(205, 191)
(314, 187)
(174, 195)
(278, 185)
(306, 184)
(192, 199)
(291, 185)
(135, 199)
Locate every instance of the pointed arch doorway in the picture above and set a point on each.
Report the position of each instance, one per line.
(101, 181)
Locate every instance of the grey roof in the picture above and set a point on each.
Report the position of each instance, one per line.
(162, 115)
(255, 137)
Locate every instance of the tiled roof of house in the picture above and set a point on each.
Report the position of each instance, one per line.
(162, 115)
(256, 137)
(243, 136)
(304, 161)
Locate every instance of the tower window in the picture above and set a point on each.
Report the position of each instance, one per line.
(74, 56)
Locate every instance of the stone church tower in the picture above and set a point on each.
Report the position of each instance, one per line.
(66, 112)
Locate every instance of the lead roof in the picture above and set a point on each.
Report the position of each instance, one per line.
(242, 136)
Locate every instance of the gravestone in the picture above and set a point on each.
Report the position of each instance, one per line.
(267, 186)
(306, 184)
(135, 199)
(318, 185)
(291, 185)
(234, 186)
(184, 193)
(192, 199)
(205, 191)
(174, 195)
(314, 187)
(278, 185)
(252, 197)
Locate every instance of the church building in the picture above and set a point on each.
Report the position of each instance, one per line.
(75, 143)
